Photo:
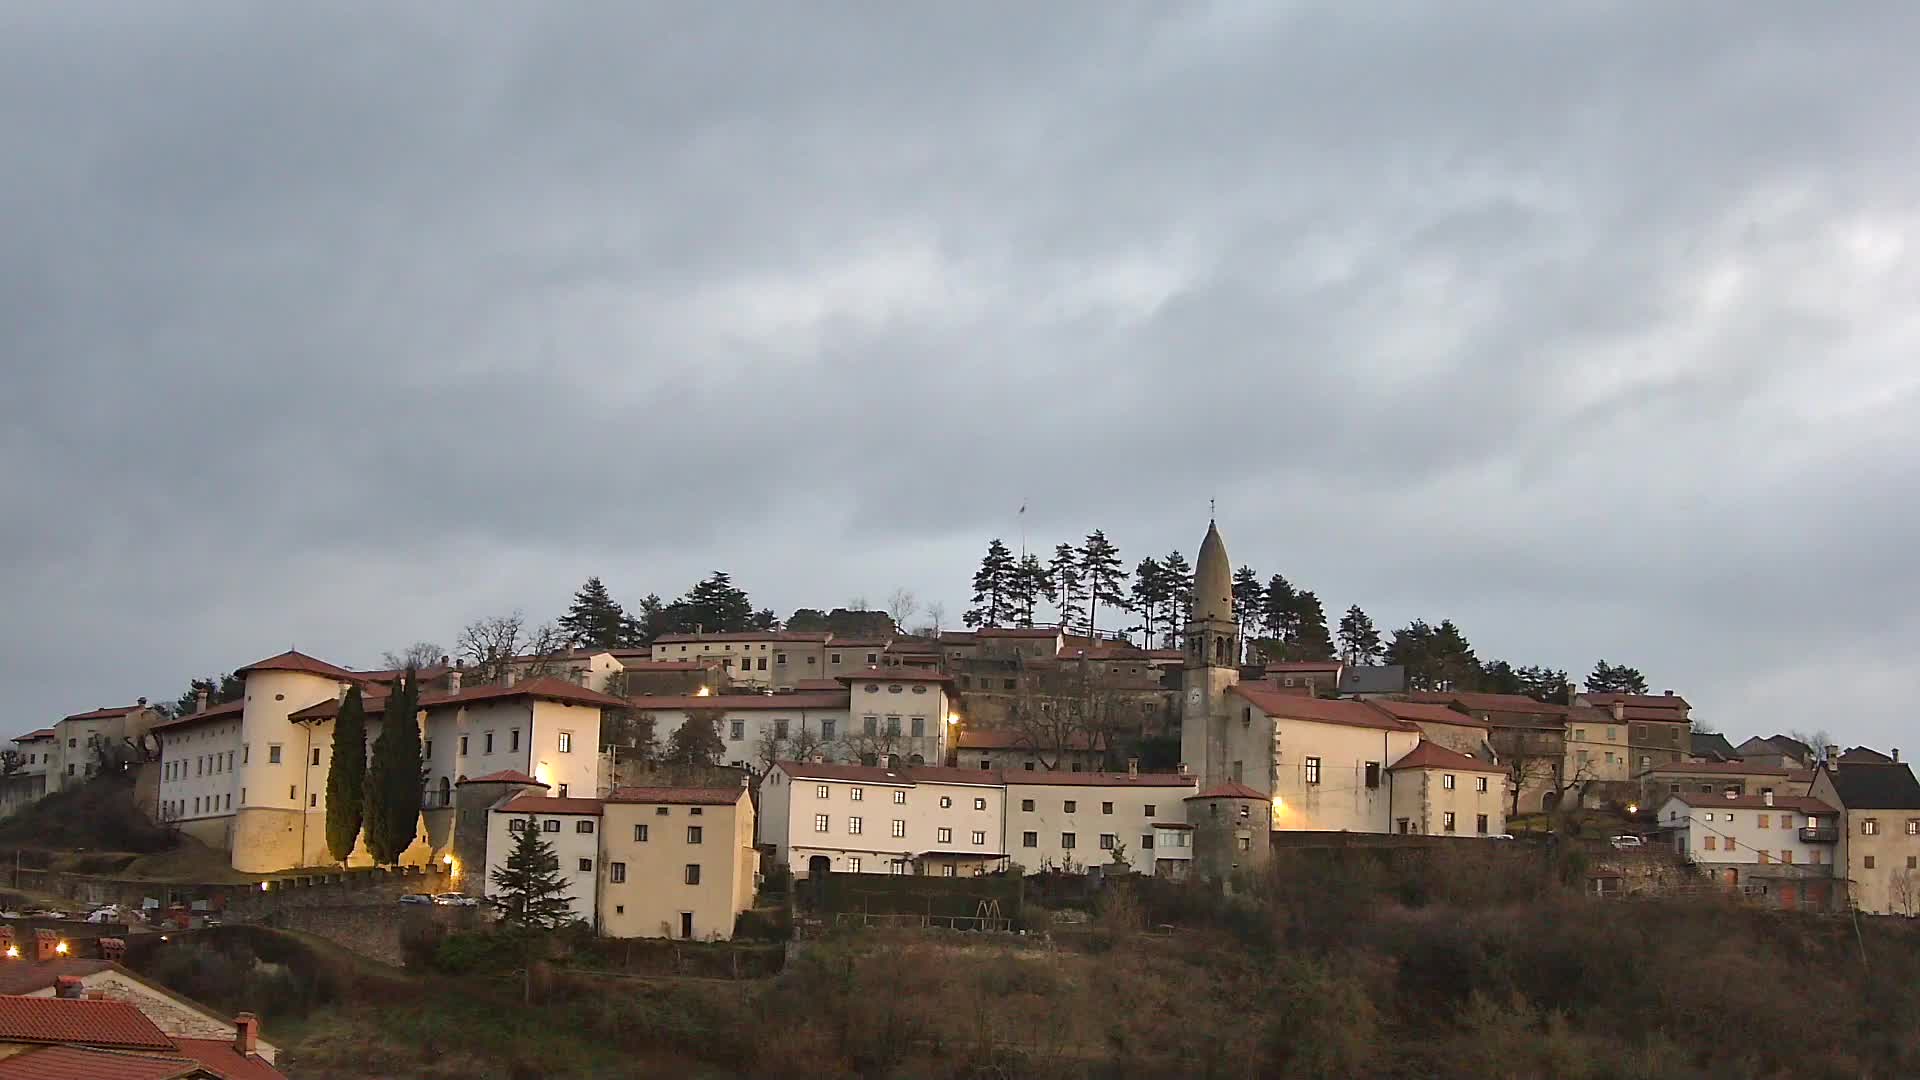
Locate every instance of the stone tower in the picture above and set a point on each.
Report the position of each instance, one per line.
(1232, 830)
(1211, 665)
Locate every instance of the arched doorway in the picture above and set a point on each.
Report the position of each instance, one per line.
(916, 760)
(446, 792)
(818, 865)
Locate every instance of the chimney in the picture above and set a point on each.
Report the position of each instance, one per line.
(200, 701)
(445, 660)
(46, 946)
(142, 702)
(1183, 768)
(1133, 768)
(69, 987)
(246, 1033)
(1768, 797)
(1669, 693)
(1896, 755)
(113, 949)
(1833, 754)
(453, 680)
(1620, 712)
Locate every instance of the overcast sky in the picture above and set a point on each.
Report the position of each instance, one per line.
(1591, 328)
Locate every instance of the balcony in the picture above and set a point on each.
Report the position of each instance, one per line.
(1820, 834)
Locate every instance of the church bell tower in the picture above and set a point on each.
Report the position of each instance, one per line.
(1212, 665)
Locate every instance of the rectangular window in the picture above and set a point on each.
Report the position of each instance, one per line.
(1480, 784)
(947, 870)
(1762, 823)
(1150, 810)
(1447, 822)
(1029, 839)
(316, 754)
(566, 742)
(640, 833)
(853, 826)
(943, 836)
(693, 873)
(659, 811)
(736, 729)
(1313, 770)
(819, 823)
(946, 802)
(693, 834)
(513, 739)
(779, 729)
(856, 794)
(486, 742)
(1072, 806)
(516, 825)
(893, 725)
(313, 800)
(426, 752)
(1066, 840)
(1712, 843)
(550, 825)
(1446, 781)
(1869, 827)
(836, 658)
(919, 726)
(1106, 808)
(246, 752)
(871, 724)
(979, 804)
(1786, 856)
(617, 872)
(1106, 841)
(1480, 823)
(822, 791)
(763, 663)
(827, 728)
(780, 658)
(1373, 774)
(899, 827)
(979, 838)
(463, 746)
(583, 826)
(273, 754)
(1146, 842)
(1913, 826)
(899, 798)
(586, 865)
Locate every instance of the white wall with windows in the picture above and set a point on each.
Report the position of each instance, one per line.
(872, 820)
(1076, 821)
(572, 826)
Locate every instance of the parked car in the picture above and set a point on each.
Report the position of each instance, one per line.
(109, 914)
(454, 899)
(1501, 836)
(1628, 842)
(416, 898)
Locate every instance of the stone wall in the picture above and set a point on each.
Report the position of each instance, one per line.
(374, 931)
(367, 885)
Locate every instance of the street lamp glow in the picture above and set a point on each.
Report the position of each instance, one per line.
(61, 948)
(13, 952)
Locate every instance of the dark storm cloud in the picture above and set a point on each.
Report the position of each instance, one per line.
(1587, 327)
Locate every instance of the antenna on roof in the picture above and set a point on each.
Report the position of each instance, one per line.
(1212, 511)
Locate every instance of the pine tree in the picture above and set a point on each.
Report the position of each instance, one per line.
(529, 889)
(1031, 584)
(696, 741)
(1615, 679)
(347, 777)
(713, 606)
(1279, 611)
(395, 777)
(1149, 594)
(1064, 573)
(1544, 684)
(1179, 612)
(652, 620)
(1105, 577)
(595, 620)
(993, 586)
(1248, 597)
(1359, 641)
(1311, 641)
(1456, 668)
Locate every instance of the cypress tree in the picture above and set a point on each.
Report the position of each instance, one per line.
(394, 778)
(347, 777)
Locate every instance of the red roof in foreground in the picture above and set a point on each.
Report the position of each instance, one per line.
(685, 796)
(105, 714)
(1431, 755)
(541, 804)
(81, 1063)
(299, 661)
(87, 1022)
(1275, 702)
(219, 1056)
(504, 776)
(1227, 790)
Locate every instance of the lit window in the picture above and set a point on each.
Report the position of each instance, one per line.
(819, 823)
(1313, 770)
(979, 804)
(944, 836)
(946, 801)
(899, 798)
(979, 837)
(822, 791)
(566, 742)
(853, 826)
(1870, 827)
(853, 861)
(1480, 784)
(1447, 822)
(640, 833)
(899, 827)
(1446, 781)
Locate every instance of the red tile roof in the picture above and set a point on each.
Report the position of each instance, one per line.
(1286, 666)
(831, 686)
(81, 1063)
(541, 804)
(544, 688)
(504, 776)
(904, 776)
(693, 796)
(1415, 711)
(1015, 632)
(87, 1022)
(1227, 790)
(27, 978)
(1058, 778)
(743, 635)
(1496, 703)
(43, 733)
(220, 1057)
(643, 666)
(1431, 755)
(1801, 803)
(896, 674)
(1646, 701)
(105, 714)
(223, 711)
(1274, 702)
(743, 702)
(299, 661)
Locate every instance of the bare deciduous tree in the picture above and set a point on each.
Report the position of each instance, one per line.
(419, 655)
(901, 606)
(11, 761)
(800, 744)
(1068, 708)
(497, 644)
